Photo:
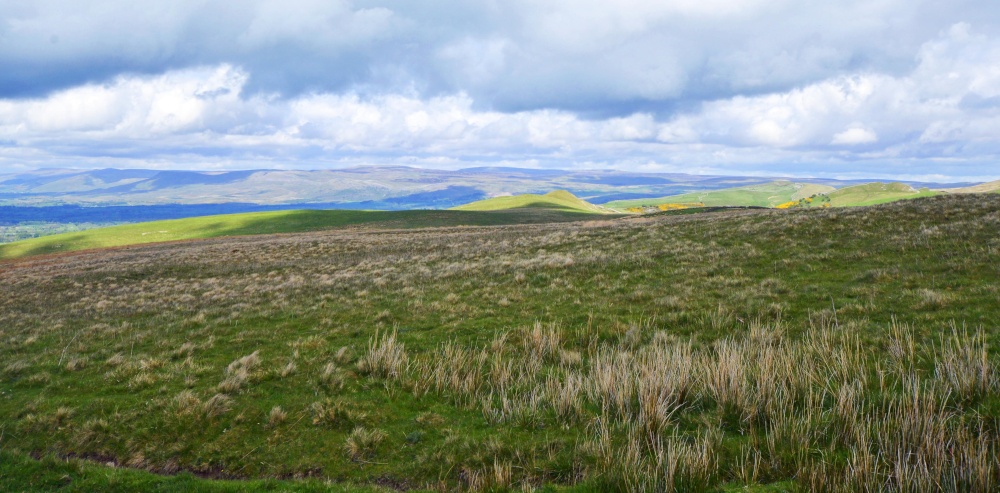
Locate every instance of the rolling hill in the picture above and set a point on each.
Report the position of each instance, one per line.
(988, 187)
(364, 187)
(559, 199)
(762, 195)
(875, 193)
(264, 223)
(784, 193)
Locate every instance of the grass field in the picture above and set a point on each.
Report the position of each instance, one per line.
(257, 223)
(559, 199)
(988, 187)
(782, 192)
(875, 193)
(22, 473)
(764, 195)
(750, 350)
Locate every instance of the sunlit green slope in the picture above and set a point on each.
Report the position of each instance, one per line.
(763, 195)
(559, 199)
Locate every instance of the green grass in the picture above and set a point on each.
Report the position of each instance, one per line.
(19, 472)
(759, 350)
(875, 193)
(780, 192)
(988, 187)
(262, 223)
(764, 195)
(559, 199)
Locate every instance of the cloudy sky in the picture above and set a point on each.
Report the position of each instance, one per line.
(846, 88)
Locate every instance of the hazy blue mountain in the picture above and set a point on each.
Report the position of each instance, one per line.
(370, 187)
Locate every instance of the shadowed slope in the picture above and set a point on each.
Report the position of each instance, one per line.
(262, 223)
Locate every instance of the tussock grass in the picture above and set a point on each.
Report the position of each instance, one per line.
(276, 416)
(386, 357)
(217, 405)
(363, 443)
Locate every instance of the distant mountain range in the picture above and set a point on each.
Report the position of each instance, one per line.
(384, 188)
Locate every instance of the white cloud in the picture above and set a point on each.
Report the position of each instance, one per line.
(203, 106)
(947, 98)
(130, 106)
(854, 136)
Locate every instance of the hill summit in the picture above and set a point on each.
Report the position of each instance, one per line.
(558, 199)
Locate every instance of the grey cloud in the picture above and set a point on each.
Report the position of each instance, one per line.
(599, 57)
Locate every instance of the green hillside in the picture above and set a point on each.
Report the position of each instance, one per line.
(875, 193)
(559, 199)
(763, 195)
(780, 193)
(258, 223)
(988, 187)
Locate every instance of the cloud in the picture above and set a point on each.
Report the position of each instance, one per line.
(175, 102)
(854, 136)
(591, 57)
(712, 85)
(205, 107)
(894, 115)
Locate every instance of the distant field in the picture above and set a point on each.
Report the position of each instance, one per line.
(258, 223)
(36, 229)
(784, 194)
(559, 199)
(764, 195)
(989, 187)
(875, 193)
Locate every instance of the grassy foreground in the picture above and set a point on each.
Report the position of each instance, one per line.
(801, 350)
(262, 223)
(21, 473)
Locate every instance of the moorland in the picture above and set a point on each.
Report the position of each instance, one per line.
(808, 349)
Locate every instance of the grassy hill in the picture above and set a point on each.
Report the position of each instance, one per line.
(559, 199)
(262, 223)
(764, 195)
(875, 193)
(988, 187)
(753, 350)
(783, 192)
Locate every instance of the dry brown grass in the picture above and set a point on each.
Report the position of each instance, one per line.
(362, 443)
(386, 357)
(276, 416)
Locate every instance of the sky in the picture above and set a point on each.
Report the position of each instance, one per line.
(906, 89)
